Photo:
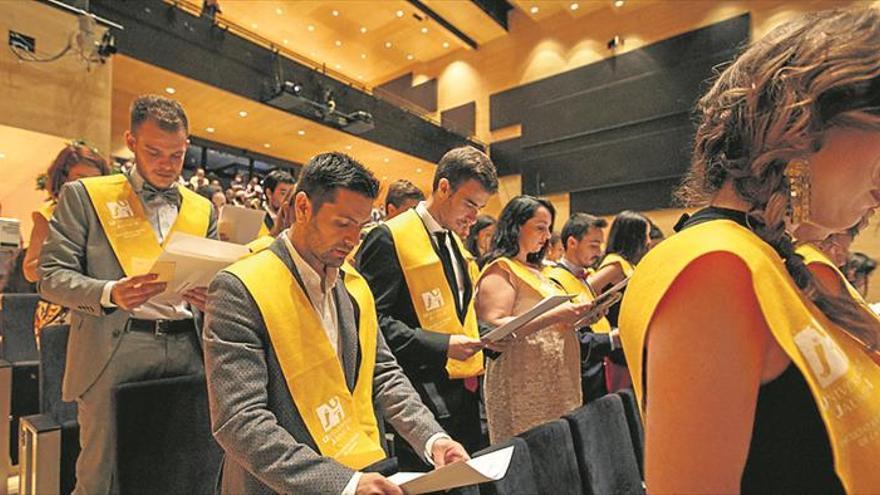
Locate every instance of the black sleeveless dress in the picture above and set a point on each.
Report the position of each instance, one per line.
(790, 451)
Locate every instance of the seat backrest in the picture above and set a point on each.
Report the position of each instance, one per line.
(17, 342)
(164, 442)
(603, 448)
(551, 448)
(53, 357)
(634, 422)
(520, 478)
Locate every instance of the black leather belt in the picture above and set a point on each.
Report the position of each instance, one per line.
(161, 327)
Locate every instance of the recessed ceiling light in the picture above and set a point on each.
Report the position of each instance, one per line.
(363, 56)
(209, 130)
(2, 156)
(418, 170)
(445, 44)
(387, 44)
(384, 177)
(335, 13)
(254, 25)
(534, 9)
(286, 42)
(267, 145)
(363, 29)
(399, 13)
(170, 90)
(348, 146)
(338, 66)
(409, 56)
(360, 77)
(338, 43)
(301, 132)
(279, 11)
(424, 30)
(574, 6)
(310, 27)
(386, 160)
(618, 3)
(242, 114)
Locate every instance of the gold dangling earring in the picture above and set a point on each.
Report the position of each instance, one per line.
(798, 174)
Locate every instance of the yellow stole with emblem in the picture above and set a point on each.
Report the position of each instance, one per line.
(429, 291)
(572, 285)
(131, 237)
(542, 285)
(341, 422)
(842, 377)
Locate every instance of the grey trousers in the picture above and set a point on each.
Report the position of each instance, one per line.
(139, 356)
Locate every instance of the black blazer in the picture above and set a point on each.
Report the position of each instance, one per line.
(420, 352)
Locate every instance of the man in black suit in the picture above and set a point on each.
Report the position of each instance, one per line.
(423, 280)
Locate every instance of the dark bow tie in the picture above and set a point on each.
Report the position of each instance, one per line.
(170, 195)
(582, 275)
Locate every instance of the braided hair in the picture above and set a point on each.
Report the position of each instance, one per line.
(773, 105)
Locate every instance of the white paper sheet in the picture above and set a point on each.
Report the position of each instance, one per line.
(190, 261)
(490, 467)
(515, 324)
(239, 225)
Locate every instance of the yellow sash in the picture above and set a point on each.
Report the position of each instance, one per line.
(342, 423)
(812, 254)
(572, 285)
(431, 296)
(614, 258)
(264, 231)
(842, 377)
(260, 243)
(47, 209)
(542, 285)
(121, 213)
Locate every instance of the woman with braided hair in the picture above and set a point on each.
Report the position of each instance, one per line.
(779, 389)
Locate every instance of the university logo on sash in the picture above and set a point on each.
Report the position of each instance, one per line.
(330, 413)
(432, 299)
(120, 209)
(823, 355)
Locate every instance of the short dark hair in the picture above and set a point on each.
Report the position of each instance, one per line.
(402, 190)
(168, 114)
(459, 165)
(628, 236)
(275, 177)
(505, 242)
(579, 224)
(327, 172)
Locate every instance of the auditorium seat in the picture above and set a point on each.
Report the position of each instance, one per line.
(551, 448)
(604, 449)
(520, 477)
(634, 422)
(55, 426)
(164, 440)
(18, 347)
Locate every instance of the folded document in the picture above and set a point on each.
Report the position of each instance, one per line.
(490, 467)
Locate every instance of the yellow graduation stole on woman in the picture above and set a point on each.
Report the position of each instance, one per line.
(842, 377)
(47, 209)
(341, 422)
(614, 258)
(572, 285)
(260, 243)
(542, 285)
(125, 224)
(812, 254)
(429, 291)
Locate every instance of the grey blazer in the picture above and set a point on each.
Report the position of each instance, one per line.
(75, 264)
(268, 448)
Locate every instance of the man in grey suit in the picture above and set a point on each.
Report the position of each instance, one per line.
(274, 319)
(103, 236)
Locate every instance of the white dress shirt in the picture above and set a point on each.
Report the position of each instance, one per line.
(434, 227)
(162, 216)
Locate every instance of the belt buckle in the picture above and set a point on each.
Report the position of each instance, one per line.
(157, 330)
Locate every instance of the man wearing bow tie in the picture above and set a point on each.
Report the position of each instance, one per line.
(582, 239)
(104, 237)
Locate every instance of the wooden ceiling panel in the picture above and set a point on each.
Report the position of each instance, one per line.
(288, 136)
(468, 17)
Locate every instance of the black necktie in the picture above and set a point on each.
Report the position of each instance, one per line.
(447, 262)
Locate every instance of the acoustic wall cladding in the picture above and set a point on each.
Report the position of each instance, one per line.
(616, 133)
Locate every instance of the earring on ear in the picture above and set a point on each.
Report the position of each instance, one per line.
(797, 172)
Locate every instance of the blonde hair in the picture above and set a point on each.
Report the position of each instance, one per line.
(772, 105)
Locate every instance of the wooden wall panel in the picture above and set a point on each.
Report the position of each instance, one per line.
(460, 119)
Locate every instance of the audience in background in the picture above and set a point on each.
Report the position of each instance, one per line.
(276, 186)
(479, 239)
(402, 195)
(554, 249)
(858, 269)
(198, 180)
